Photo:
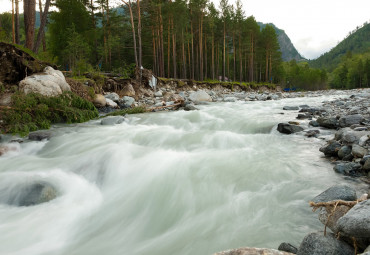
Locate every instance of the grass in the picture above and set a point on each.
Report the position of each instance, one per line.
(134, 110)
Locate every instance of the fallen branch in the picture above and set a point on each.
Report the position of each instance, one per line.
(163, 107)
(334, 203)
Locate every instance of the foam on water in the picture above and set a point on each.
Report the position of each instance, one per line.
(168, 183)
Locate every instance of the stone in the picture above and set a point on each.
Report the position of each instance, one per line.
(4, 149)
(158, 93)
(99, 100)
(31, 194)
(286, 128)
(39, 135)
(318, 244)
(358, 151)
(356, 223)
(112, 120)
(128, 90)
(291, 108)
(230, 99)
(110, 103)
(351, 168)
(112, 96)
(337, 192)
(363, 140)
(344, 151)
(334, 216)
(349, 120)
(176, 98)
(49, 83)
(314, 123)
(252, 251)
(190, 107)
(303, 116)
(200, 96)
(312, 133)
(366, 164)
(288, 248)
(331, 149)
(330, 122)
(126, 101)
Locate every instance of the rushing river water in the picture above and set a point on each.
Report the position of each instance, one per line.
(168, 183)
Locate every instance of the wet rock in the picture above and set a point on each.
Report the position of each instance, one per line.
(349, 120)
(252, 251)
(39, 135)
(303, 116)
(99, 100)
(318, 244)
(334, 216)
(331, 122)
(230, 99)
(291, 108)
(286, 128)
(112, 96)
(126, 102)
(314, 123)
(337, 192)
(288, 248)
(331, 149)
(363, 140)
(356, 223)
(190, 107)
(344, 151)
(351, 168)
(358, 151)
(312, 133)
(128, 90)
(200, 96)
(367, 164)
(112, 120)
(49, 83)
(4, 149)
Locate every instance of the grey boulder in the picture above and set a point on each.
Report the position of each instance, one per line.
(349, 120)
(112, 120)
(337, 192)
(286, 128)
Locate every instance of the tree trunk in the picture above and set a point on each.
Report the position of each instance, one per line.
(267, 66)
(169, 48)
(205, 58)
(29, 21)
(224, 55)
(174, 51)
(240, 60)
(17, 22)
(201, 48)
(161, 38)
(40, 34)
(154, 54)
(13, 24)
(213, 56)
(133, 30)
(139, 35)
(183, 56)
(192, 51)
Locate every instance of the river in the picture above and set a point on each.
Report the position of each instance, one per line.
(168, 183)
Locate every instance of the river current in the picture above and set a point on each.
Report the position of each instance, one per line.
(163, 183)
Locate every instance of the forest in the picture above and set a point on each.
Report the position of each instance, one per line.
(176, 39)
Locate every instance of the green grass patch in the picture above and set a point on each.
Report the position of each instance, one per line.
(34, 111)
(134, 110)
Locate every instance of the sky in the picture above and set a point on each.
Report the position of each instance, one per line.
(313, 26)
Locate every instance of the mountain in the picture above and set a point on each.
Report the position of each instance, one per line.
(288, 51)
(358, 41)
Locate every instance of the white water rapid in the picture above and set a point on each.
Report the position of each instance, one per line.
(180, 182)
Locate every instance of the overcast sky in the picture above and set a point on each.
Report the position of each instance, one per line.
(314, 26)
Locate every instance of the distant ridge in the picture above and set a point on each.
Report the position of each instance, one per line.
(358, 41)
(288, 51)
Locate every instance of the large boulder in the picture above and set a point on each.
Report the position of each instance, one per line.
(126, 102)
(112, 120)
(351, 168)
(337, 192)
(331, 222)
(318, 244)
(344, 151)
(286, 128)
(350, 120)
(200, 96)
(358, 151)
(288, 248)
(39, 135)
(252, 251)
(331, 122)
(331, 149)
(49, 83)
(128, 90)
(356, 223)
(99, 100)
(112, 96)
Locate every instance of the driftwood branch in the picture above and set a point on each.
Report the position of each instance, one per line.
(334, 203)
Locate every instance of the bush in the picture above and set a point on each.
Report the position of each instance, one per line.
(34, 111)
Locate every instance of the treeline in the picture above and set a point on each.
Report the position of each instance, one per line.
(352, 72)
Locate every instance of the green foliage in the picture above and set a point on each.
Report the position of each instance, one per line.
(134, 110)
(126, 71)
(34, 111)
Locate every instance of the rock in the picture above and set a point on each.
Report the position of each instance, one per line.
(318, 244)
(31, 194)
(112, 96)
(5, 98)
(128, 91)
(4, 149)
(158, 93)
(314, 123)
(126, 101)
(334, 216)
(337, 192)
(367, 164)
(49, 83)
(99, 100)
(356, 223)
(331, 149)
(173, 97)
(112, 120)
(230, 99)
(286, 128)
(312, 133)
(363, 140)
(349, 120)
(288, 248)
(252, 251)
(358, 151)
(190, 107)
(200, 96)
(350, 168)
(344, 151)
(303, 116)
(291, 108)
(39, 135)
(110, 103)
(330, 123)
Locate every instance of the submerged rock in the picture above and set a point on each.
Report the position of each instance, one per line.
(288, 248)
(291, 108)
(286, 128)
(112, 120)
(318, 244)
(252, 251)
(39, 135)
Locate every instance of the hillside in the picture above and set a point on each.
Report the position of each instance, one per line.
(288, 51)
(357, 42)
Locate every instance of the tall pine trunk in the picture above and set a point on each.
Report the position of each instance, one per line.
(17, 41)
(40, 34)
(29, 21)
